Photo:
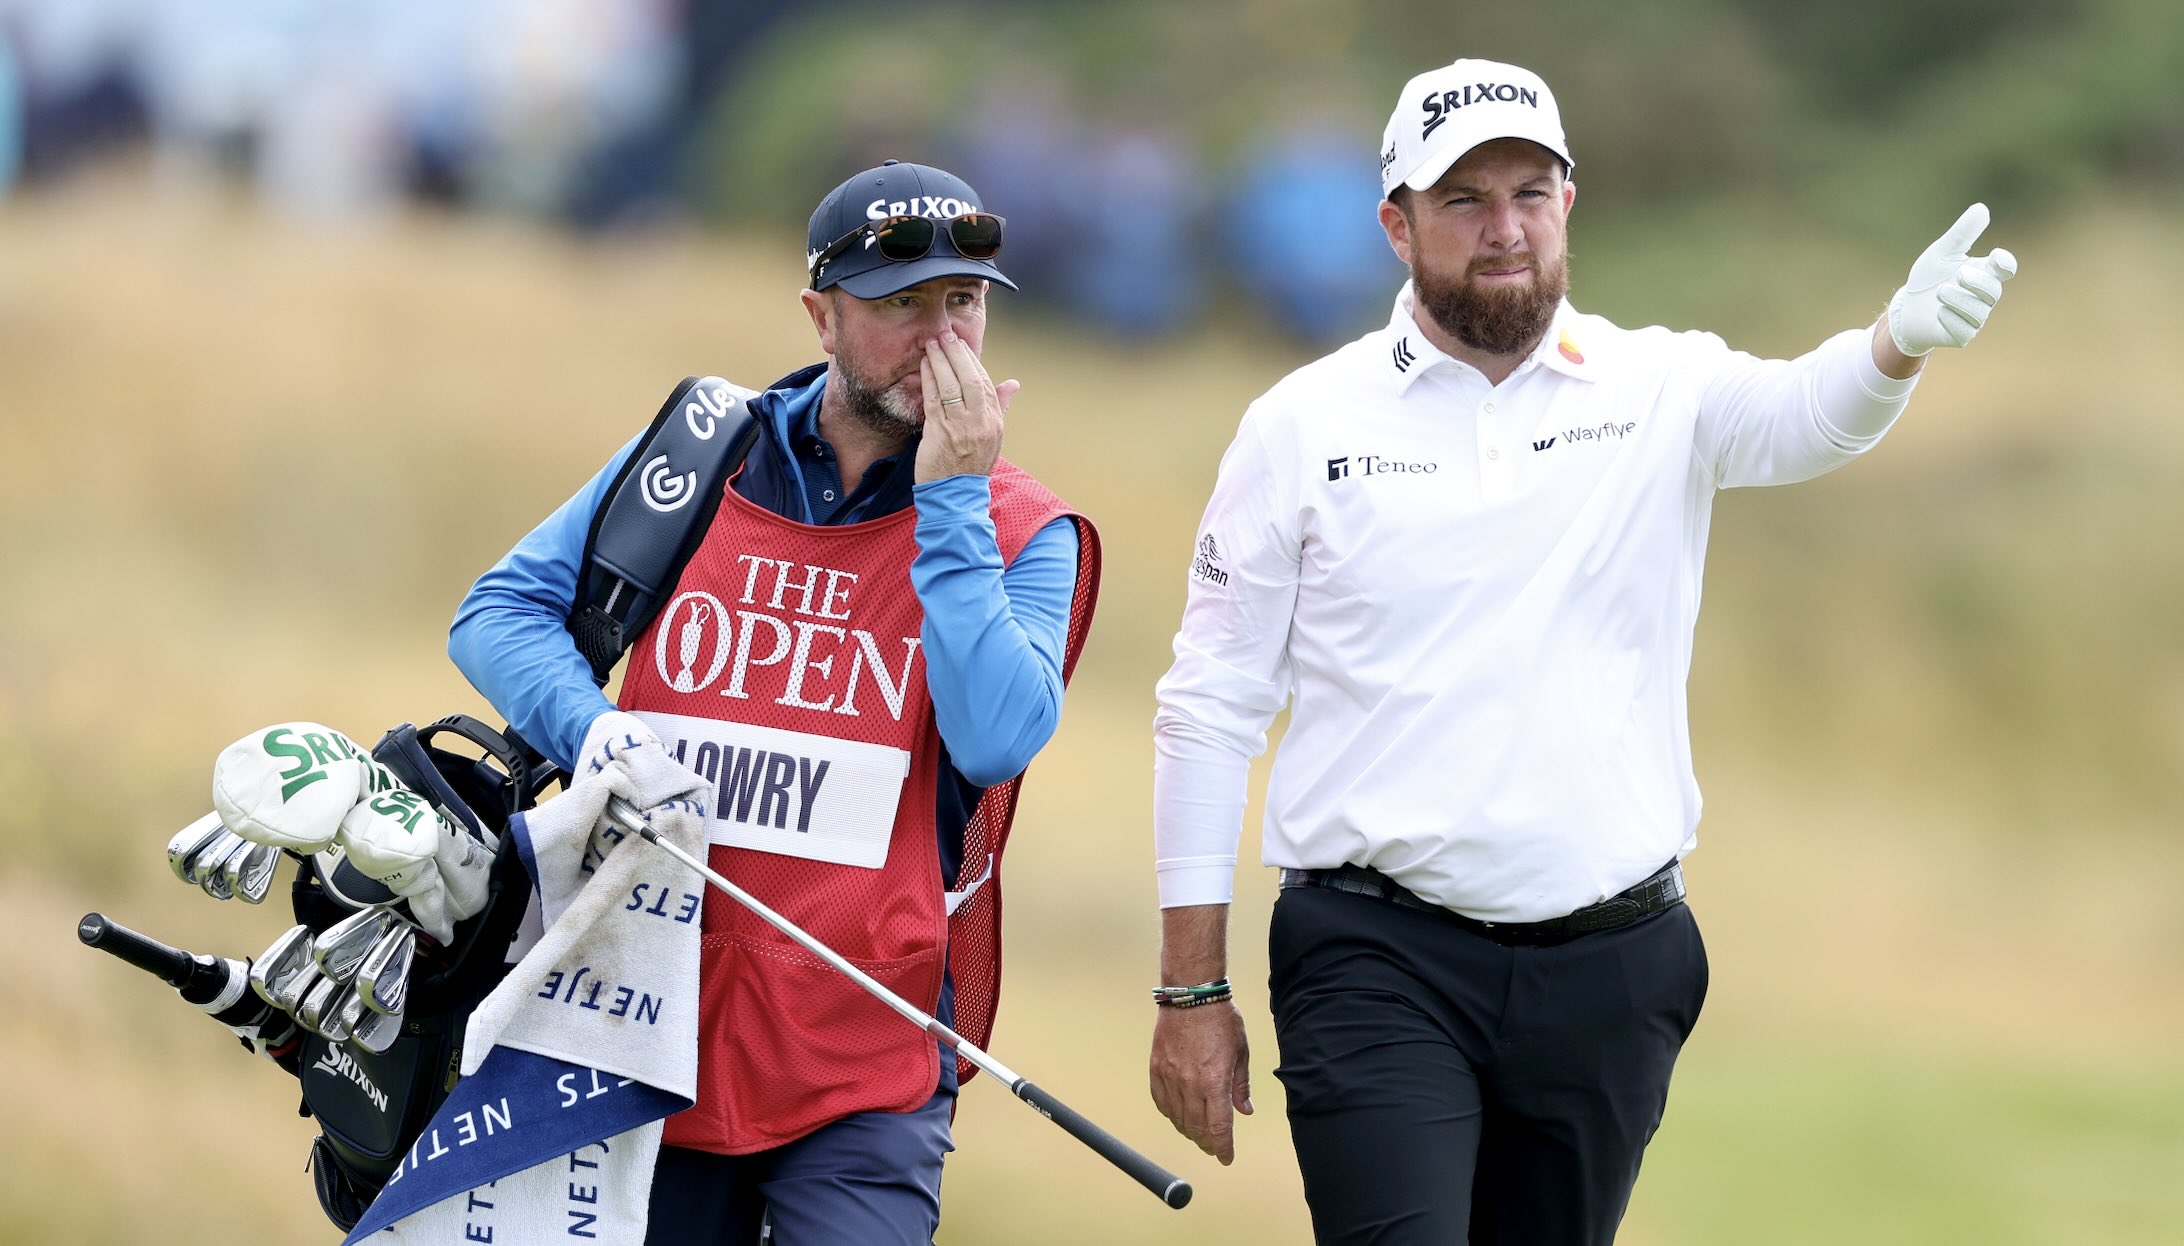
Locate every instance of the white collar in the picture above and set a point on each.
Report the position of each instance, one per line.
(1411, 354)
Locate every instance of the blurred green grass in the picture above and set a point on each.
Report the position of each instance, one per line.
(1938, 703)
(1794, 1141)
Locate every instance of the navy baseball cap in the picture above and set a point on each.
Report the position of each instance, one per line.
(893, 189)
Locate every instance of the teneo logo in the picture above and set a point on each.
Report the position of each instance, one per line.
(1440, 104)
(1379, 465)
(662, 489)
(1207, 566)
(1404, 356)
(1542, 445)
(334, 1062)
(944, 209)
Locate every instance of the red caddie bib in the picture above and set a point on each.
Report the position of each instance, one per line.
(787, 669)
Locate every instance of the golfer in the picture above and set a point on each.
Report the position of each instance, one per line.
(870, 643)
(1467, 548)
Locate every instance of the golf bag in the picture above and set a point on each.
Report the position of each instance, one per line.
(370, 1106)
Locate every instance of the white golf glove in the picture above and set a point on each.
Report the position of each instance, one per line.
(290, 784)
(1946, 299)
(398, 838)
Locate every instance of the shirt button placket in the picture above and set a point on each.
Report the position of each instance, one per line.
(1494, 474)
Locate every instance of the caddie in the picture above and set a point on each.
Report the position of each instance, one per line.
(867, 647)
(1466, 550)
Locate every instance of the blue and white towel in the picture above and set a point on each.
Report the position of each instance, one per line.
(575, 1059)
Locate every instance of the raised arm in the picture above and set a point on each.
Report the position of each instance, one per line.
(993, 637)
(1772, 421)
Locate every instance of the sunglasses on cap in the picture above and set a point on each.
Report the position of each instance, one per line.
(901, 239)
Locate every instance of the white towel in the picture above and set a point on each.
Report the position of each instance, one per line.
(573, 1061)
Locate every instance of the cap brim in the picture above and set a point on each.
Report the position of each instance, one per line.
(1427, 173)
(1435, 167)
(878, 283)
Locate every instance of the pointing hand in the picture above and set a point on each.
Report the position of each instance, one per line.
(1946, 299)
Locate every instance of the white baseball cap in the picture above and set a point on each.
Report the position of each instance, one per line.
(1443, 113)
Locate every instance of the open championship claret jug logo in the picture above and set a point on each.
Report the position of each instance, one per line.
(809, 790)
(784, 640)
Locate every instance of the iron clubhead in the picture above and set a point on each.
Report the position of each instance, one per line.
(375, 1031)
(333, 1015)
(280, 964)
(352, 1009)
(341, 947)
(291, 994)
(382, 980)
(212, 874)
(188, 842)
(311, 1012)
(252, 873)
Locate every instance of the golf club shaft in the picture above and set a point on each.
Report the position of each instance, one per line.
(1171, 1189)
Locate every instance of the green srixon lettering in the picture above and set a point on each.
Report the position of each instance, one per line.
(303, 774)
(404, 807)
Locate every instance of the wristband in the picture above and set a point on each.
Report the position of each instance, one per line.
(1192, 996)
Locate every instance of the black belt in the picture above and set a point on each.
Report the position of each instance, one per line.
(1665, 889)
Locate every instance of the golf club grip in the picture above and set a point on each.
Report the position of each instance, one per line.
(1171, 1189)
(172, 966)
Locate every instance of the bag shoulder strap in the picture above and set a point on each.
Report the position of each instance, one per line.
(655, 513)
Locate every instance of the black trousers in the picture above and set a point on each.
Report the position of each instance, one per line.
(1446, 1089)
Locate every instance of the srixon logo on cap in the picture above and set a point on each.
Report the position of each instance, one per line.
(941, 208)
(1440, 104)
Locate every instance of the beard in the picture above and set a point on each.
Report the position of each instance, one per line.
(1498, 320)
(884, 409)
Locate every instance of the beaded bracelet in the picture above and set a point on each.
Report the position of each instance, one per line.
(1192, 996)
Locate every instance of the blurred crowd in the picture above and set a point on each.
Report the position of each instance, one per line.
(587, 113)
(339, 107)
(1119, 220)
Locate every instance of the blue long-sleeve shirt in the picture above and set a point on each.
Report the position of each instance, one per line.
(993, 637)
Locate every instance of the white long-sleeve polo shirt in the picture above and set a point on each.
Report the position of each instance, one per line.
(1481, 599)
